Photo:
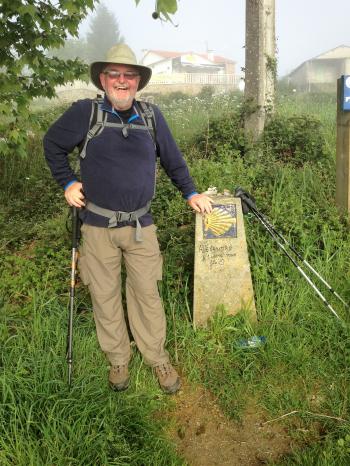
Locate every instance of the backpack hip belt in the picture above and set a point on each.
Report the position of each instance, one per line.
(118, 216)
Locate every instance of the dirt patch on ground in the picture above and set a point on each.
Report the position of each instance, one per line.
(204, 436)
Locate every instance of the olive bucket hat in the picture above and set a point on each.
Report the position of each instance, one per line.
(120, 54)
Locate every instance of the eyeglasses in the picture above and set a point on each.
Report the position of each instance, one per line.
(128, 75)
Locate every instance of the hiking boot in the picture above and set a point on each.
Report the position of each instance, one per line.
(168, 378)
(119, 377)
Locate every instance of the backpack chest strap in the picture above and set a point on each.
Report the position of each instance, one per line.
(109, 124)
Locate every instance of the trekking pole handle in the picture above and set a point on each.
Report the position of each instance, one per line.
(245, 197)
(75, 226)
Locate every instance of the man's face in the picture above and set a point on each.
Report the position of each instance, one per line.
(120, 83)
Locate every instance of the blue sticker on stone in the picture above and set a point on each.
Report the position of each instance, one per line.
(221, 222)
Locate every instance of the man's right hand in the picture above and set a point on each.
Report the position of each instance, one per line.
(74, 195)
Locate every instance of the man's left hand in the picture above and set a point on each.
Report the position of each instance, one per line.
(201, 203)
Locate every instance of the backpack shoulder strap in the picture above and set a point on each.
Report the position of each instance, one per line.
(96, 124)
(98, 120)
(147, 114)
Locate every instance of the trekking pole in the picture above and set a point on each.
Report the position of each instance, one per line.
(246, 199)
(299, 256)
(75, 239)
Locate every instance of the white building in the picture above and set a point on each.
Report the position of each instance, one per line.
(321, 72)
(164, 62)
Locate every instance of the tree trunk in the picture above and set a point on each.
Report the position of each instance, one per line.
(260, 64)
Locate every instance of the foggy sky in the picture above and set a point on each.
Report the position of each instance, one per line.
(304, 28)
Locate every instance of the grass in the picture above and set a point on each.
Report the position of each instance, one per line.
(43, 423)
(303, 368)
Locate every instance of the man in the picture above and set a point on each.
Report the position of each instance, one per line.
(117, 184)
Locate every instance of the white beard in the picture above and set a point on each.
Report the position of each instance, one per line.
(121, 104)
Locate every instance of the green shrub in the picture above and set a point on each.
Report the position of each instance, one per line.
(223, 133)
(303, 370)
(295, 139)
(206, 92)
(168, 99)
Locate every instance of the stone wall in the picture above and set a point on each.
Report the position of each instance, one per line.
(82, 90)
(190, 89)
(75, 91)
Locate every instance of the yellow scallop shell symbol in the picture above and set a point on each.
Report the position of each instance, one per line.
(219, 221)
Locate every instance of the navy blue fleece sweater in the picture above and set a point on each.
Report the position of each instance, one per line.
(118, 173)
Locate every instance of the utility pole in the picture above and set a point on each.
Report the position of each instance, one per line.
(260, 64)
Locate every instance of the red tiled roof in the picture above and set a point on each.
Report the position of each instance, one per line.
(216, 58)
(167, 54)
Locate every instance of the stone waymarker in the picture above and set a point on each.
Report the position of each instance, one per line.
(221, 268)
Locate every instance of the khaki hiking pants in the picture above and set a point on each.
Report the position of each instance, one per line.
(101, 254)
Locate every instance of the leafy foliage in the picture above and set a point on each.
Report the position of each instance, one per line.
(27, 30)
(223, 133)
(303, 370)
(295, 139)
(164, 8)
(206, 92)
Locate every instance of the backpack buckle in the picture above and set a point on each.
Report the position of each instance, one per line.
(118, 216)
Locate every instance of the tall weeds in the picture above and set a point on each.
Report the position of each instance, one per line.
(304, 366)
